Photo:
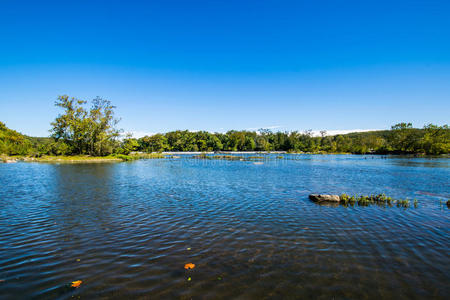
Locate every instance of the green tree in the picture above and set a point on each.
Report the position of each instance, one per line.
(102, 132)
(404, 137)
(436, 139)
(129, 144)
(84, 132)
(155, 143)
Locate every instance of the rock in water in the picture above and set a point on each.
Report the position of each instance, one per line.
(324, 198)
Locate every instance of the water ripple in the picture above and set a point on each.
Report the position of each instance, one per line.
(127, 229)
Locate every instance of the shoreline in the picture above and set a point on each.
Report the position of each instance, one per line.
(60, 159)
(175, 154)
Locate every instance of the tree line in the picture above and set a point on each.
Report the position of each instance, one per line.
(402, 138)
(92, 130)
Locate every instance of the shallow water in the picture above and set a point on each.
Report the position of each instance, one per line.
(124, 229)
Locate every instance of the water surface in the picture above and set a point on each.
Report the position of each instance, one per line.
(124, 229)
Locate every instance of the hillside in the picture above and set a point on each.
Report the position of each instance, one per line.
(13, 142)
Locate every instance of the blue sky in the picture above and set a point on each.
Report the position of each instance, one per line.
(220, 65)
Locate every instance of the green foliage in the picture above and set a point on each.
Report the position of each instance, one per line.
(128, 145)
(82, 131)
(436, 139)
(380, 199)
(58, 148)
(402, 138)
(154, 143)
(124, 157)
(85, 131)
(14, 143)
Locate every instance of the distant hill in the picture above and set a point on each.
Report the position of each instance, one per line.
(15, 143)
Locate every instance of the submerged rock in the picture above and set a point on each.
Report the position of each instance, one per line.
(328, 203)
(324, 198)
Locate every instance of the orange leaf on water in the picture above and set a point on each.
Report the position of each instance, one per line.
(189, 266)
(76, 283)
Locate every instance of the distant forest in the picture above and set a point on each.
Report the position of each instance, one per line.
(79, 130)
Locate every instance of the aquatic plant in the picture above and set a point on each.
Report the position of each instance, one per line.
(202, 156)
(221, 157)
(379, 199)
(123, 157)
(228, 157)
(147, 155)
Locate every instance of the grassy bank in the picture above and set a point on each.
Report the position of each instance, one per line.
(80, 158)
(73, 159)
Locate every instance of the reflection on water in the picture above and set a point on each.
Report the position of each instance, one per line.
(124, 229)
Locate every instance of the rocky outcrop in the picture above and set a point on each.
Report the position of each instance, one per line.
(324, 198)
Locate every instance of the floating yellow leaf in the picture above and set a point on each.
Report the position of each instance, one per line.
(76, 284)
(189, 279)
(188, 249)
(189, 266)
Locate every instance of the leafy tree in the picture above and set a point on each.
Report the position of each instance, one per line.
(84, 132)
(214, 143)
(101, 127)
(262, 144)
(404, 137)
(154, 143)
(436, 139)
(129, 144)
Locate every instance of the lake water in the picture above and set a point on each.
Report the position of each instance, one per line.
(127, 229)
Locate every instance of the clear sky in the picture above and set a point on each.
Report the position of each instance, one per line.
(220, 65)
